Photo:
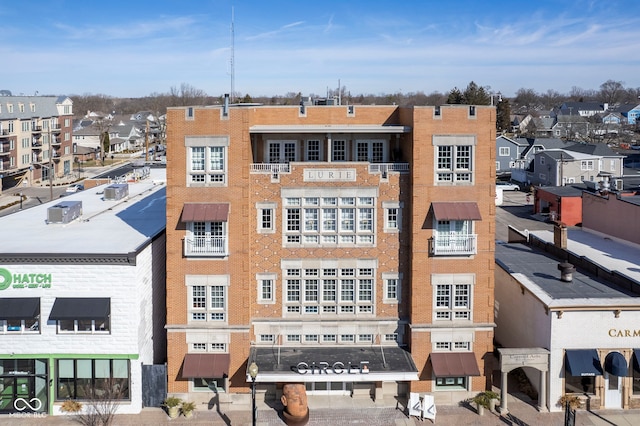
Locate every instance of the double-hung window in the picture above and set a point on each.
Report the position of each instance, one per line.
(392, 288)
(206, 161)
(392, 216)
(266, 216)
(454, 159)
(207, 298)
(313, 150)
(452, 297)
(266, 288)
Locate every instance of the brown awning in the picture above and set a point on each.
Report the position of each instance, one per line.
(205, 212)
(205, 365)
(456, 211)
(454, 364)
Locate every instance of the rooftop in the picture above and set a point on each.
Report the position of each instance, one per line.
(106, 227)
(538, 272)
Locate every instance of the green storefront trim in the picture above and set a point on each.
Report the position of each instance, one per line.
(52, 365)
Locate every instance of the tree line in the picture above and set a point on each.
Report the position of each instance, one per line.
(524, 101)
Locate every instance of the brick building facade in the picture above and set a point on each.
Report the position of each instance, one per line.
(347, 247)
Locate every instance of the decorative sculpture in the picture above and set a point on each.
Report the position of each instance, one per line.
(294, 399)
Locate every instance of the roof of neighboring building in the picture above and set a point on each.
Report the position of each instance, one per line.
(574, 190)
(538, 271)
(45, 106)
(106, 227)
(599, 149)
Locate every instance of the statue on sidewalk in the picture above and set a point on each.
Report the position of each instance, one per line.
(294, 399)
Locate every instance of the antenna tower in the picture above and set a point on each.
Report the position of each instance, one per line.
(233, 70)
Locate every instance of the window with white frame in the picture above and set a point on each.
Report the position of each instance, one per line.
(313, 148)
(207, 298)
(497, 165)
(266, 217)
(339, 150)
(329, 220)
(266, 288)
(392, 289)
(541, 160)
(454, 159)
(280, 152)
(392, 216)
(372, 151)
(206, 238)
(206, 160)
(612, 165)
(452, 297)
(504, 151)
(329, 291)
(586, 165)
(267, 338)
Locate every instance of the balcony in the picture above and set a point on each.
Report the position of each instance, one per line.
(205, 246)
(450, 244)
(4, 133)
(37, 146)
(36, 130)
(269, 168)
(56, 141)
(56, 129)
(385, 168)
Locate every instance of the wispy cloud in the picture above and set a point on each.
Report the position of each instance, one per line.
(271, 34)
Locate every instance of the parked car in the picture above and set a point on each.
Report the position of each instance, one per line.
(508, 186)
(74, 188)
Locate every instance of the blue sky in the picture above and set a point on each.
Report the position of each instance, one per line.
(139, 47)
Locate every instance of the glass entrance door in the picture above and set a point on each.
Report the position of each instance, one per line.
(613, 391)
(329, 388)
(23, 386)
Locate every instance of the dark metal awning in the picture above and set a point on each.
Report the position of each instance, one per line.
(456, 211)
(80, 308)
(205, 365)
(614, 363)
(205, 212)
(583, 362)
(454, 364)
(636, 360)
(19, 307)
(332, 364)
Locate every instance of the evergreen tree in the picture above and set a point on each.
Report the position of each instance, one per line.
(503, 116)
(455, 96)
(475, 95)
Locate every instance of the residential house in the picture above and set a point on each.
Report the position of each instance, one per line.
(631, 112)
(524, 165)
(582, 109)
(570, 127)
(508, 150)
(345, 247)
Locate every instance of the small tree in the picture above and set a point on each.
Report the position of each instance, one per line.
(102, 403)
(503, 116)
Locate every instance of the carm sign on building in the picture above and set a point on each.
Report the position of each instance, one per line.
(346, 247)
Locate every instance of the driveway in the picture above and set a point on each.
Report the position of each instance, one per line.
(517, 212)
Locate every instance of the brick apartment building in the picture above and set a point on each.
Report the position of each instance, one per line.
(35, 138)
(347, 247)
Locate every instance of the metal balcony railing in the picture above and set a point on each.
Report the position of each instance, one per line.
(205, 246)
(450, 244)
(269, 168)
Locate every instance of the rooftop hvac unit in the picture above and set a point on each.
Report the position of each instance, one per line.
(64, 212)
(116, 191)
(619, 184)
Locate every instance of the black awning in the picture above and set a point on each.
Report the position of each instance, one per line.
(636, 360)
(615, 364)
(454, 364)
(80, 308)
(583, 362)
(19, 308)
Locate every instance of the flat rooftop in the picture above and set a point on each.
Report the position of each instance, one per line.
(538, 271)
(105, 226)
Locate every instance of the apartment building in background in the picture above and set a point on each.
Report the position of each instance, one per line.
(350, 248)
(35, 138)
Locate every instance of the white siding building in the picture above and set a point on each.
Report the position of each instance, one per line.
(82, 300)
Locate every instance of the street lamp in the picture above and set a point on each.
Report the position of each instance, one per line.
(253, 372)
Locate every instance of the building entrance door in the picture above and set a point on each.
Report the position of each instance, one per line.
(613, 391)
(329, 388)
(23, 386)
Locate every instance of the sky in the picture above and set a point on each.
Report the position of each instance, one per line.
(138, 48)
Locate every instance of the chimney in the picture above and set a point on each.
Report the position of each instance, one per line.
(560, 235)
(225, 107)
(566, 271)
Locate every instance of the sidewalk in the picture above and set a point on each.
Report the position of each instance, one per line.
(333, 412)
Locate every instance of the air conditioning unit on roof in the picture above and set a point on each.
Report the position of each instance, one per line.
(64, 212)
(116, 191)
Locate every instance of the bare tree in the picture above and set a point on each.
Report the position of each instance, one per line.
(611, 91)
(101, 405)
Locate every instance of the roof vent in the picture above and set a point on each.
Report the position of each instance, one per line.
(566, 271)
(116, 191)
(64, 212)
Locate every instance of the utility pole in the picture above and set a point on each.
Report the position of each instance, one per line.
(146, 142)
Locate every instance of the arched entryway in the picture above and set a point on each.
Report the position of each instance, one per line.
(512, 358)
(615, 370)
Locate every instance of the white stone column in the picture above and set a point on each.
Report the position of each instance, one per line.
(504, 393)
(542, 393)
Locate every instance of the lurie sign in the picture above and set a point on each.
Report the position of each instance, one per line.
(329, 175)
(335, 368)
(23, 280)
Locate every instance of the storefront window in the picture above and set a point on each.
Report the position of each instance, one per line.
(636, 376)
(23, 385)
(92, 378)
(578, 384)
